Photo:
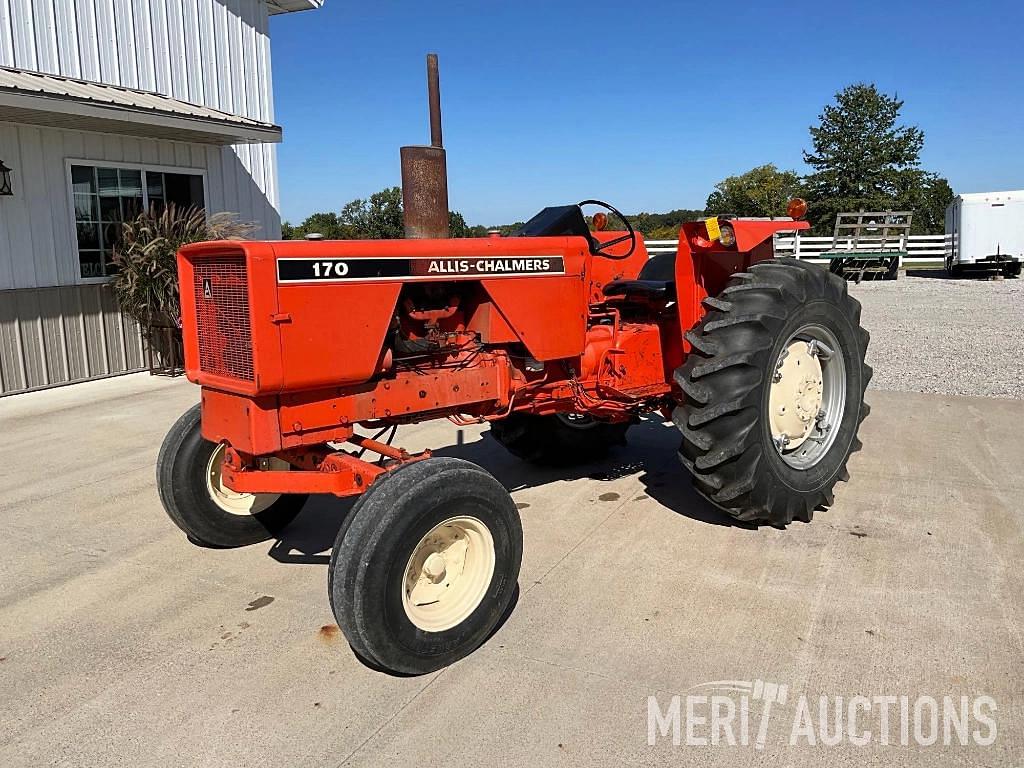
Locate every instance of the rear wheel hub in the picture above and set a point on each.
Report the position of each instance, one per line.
(795, 398)
(807, 397)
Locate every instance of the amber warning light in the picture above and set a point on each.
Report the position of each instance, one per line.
(797, 208)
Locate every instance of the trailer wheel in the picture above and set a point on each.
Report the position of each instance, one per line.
(559, 440)
(774, 392)
(189, 481)
(426, 565)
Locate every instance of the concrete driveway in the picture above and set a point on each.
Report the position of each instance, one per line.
(122, 644)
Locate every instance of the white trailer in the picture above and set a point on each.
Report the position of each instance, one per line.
(985, 232)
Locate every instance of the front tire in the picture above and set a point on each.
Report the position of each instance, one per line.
(558, 440)
(188, 479)
(426, 565)
(774, 392)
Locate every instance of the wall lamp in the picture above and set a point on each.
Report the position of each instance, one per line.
(5, 180)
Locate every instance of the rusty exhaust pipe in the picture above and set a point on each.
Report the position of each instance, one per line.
(434, 100)
(425, 172)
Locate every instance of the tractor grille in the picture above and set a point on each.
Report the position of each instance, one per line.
(221, 294)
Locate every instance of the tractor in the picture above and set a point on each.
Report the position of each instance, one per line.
(311, 353)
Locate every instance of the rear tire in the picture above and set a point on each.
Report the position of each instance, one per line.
(183, 470)
(426, 565)
(729, 445)
(558, 440)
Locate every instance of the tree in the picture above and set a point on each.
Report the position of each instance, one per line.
(457, 226)
(326, 224)
(662, 226)
(927, 195)
(862, 158)
(761, 191)
(379, 217)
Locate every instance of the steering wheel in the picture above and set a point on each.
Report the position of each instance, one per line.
(599, 248)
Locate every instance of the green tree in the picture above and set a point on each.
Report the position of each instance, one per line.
(926, 195)
(377, 218)
(327, 224)
(662, 226)
(761, 191)
(863, 159)
(506, 230)
(457, 226)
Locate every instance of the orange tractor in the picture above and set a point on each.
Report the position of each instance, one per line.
(560, 337)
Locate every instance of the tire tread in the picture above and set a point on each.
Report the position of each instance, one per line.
(723, 380)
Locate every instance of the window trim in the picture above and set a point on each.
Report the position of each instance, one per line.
(144, 167)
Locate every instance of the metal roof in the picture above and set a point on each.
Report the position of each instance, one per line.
(287, 6)
(62, 102)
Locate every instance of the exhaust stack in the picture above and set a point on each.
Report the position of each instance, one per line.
(425, 172)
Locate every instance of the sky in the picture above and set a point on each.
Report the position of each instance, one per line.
(645, 105)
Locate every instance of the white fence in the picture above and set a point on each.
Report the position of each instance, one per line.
(921, 249)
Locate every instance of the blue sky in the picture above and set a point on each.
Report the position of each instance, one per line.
(646, 105)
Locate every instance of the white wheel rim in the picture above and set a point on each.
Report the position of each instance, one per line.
(807, 397)
(232, 502)
(448, 574)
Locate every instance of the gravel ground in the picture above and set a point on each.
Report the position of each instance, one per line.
(954, 337)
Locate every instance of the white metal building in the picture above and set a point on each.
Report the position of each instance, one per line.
(107, 106)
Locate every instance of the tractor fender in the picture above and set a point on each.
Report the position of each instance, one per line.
(704, 266)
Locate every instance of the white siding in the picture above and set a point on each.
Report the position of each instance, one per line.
(37, 246)
(173, 47)
(210, 52)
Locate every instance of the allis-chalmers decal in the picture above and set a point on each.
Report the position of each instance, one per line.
(362, 270)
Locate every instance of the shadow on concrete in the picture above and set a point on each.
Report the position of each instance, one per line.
(650, 454)
(651, 451)
(309, 538)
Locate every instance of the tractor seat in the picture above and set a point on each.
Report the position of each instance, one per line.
(655, 283)
(641, 290)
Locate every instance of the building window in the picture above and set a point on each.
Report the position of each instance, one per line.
(106, 197)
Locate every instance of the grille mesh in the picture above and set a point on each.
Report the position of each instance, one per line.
(222, 316)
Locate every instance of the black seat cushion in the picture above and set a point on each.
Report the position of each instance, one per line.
(641, 290)
(656, 282)
(661, 266)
